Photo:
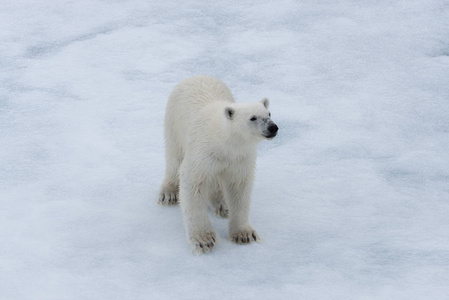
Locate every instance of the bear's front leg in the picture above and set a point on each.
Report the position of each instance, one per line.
(238, 195)
(194, 194)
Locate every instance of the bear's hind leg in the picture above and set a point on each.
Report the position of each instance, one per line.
(218, 204)
(169, 192)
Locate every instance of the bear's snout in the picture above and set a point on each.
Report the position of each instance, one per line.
(273, 128)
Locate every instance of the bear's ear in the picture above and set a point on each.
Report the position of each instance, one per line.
(229, 112)
(265, 102)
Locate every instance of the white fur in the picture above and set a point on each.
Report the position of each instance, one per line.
(211, 146)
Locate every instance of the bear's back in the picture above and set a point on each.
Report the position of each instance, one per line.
(190, 100)
(200, 90)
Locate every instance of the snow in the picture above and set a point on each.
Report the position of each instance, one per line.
(351, 198)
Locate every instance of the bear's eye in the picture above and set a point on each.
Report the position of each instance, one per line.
(269, 114)
(253, 118)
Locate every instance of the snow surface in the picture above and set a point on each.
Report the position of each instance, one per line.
(351, 198)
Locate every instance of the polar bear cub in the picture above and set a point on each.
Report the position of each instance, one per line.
(211, 146)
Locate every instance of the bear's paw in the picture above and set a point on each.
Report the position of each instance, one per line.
(222, 211)
(168, 197)
(203, 242)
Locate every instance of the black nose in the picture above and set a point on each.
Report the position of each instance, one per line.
(273, 128)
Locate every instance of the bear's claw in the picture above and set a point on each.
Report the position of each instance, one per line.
(245, 237)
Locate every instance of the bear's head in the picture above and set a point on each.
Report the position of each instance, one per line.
(251, 120)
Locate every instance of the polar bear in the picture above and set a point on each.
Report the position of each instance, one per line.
(211, 146)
